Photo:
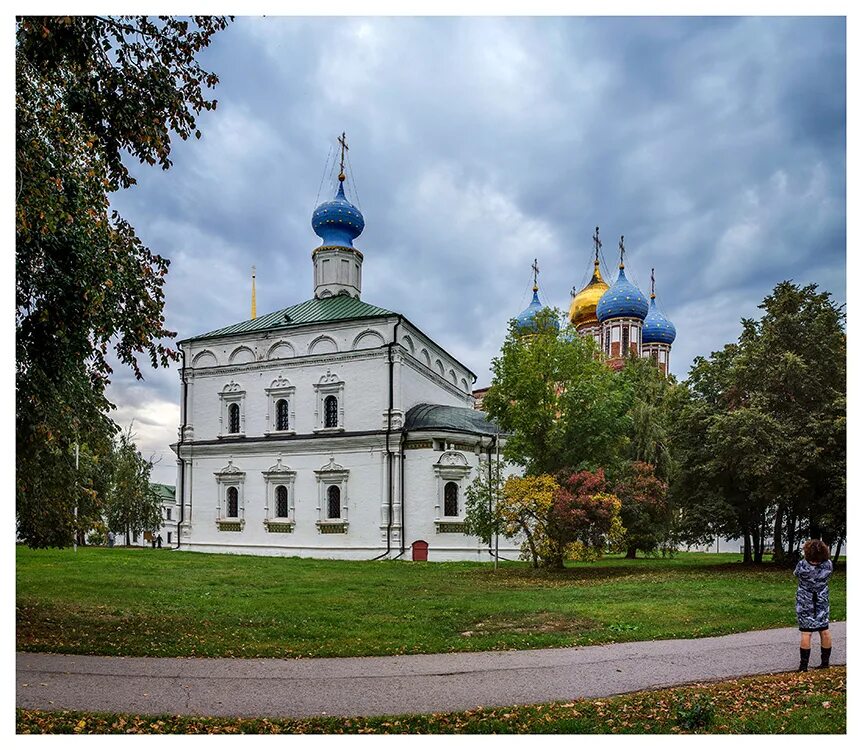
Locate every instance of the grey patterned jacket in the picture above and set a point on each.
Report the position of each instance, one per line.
(812, 595)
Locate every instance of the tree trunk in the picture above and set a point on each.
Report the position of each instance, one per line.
(532, 546)
(746, 547)
(631, 553)
(777, 543)
(756, 544)
(837, 551)
(791, 536)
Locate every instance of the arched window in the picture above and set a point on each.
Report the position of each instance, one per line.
(281, 501)
(233, 418)
(232, 502)
(450, 499)
(333, 501)
(281, 422)
(330, 412)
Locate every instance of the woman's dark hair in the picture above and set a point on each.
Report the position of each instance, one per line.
(815, 551)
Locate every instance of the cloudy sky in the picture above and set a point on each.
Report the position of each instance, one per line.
(716, 146)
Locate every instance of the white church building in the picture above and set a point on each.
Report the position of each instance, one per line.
(331, 428)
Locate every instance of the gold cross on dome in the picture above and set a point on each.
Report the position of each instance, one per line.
(622, 250)
(597, 242)
(535, 268)
(344, 147)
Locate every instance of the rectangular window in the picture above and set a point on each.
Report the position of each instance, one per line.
(625, 339)
(169, 514)
(169, 537)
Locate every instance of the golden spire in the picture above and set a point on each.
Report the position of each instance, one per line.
(253, 294)
(652, 283)
(535, 267)
(344, 147)
(583, 308)
(622, 251)
(598, 243)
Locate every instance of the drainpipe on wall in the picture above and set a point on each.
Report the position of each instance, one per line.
(182, 482)
(388, 439)
(401, 495)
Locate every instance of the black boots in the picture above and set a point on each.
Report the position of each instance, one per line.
(825, 653)
(804, 655)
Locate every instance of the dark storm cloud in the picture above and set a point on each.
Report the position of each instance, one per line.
(715, 145)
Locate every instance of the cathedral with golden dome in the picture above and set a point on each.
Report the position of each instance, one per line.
(618, 316)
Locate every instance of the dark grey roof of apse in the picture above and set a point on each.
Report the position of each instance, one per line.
(453, 418)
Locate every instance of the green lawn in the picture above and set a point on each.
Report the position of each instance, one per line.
(165, 603)
(789, 703)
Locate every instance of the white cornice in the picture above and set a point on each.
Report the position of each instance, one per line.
(247, 447)
(292, 362)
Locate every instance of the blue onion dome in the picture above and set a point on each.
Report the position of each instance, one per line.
(525, 321)
(622, 300)
(657, 329)
(337, 222)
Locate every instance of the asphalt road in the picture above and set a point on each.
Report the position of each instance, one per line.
(398, 684)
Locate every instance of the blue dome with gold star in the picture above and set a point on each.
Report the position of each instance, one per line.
(622, 300)
(525, 321)
(657, 329)
(337, 222)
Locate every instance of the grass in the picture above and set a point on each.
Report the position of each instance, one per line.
(789, 703)
(148, 602)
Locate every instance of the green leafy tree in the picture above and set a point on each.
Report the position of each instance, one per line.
(650, 397)
(133, 506)
(793, 366)
(760, 436)
(89, 90)
(558, 403)
(484, 494)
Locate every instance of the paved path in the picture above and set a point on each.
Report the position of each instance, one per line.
(397, 684)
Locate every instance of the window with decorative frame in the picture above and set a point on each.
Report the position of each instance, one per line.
(232, 417)
(333, 502)
(452, 470)
(280, 415)
(329, 413)
(230, 508)
(279, 512)
(332, 498)
(232, 494)
(450, 499)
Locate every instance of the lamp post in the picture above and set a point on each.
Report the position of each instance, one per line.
(75, 531)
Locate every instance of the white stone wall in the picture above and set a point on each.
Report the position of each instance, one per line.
(361, 503)
(351, 361)
(424, 499)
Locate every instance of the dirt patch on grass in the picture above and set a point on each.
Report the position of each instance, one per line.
(529, 624)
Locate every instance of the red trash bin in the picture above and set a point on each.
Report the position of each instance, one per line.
(420, 551)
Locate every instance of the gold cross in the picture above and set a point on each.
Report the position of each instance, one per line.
(622, 249)
(597, 242)
(535, 268)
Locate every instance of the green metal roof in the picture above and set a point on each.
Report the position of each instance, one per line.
(456, 418)
(340, 307)
(164, 491)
